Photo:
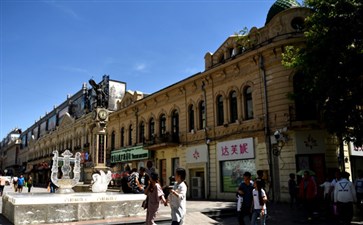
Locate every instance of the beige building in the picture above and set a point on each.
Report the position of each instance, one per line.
(233, 117)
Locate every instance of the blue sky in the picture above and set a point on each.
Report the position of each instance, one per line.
(49, 48)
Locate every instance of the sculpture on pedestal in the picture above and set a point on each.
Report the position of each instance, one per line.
(66, 183)
(101, 96)
(101, 181)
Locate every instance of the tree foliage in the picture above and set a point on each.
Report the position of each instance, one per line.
(332, 64)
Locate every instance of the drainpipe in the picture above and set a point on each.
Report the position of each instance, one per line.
(267, 127)
(206, 139)
(136, 111)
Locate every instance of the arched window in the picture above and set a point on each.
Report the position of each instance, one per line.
(130, 134)
(142, 132)
(162, 125)
(191, 117)
(248, 103)
(202, 115)
(151, 129)
(122, 137)
(220, 114)
(113, 136)
(233, 106)
(175, 126)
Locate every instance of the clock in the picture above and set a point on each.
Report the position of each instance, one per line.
(102, 114)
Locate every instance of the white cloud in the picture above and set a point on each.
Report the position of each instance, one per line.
(63, 8)
(141, 67)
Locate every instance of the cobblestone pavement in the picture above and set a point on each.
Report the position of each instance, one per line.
(209, 212)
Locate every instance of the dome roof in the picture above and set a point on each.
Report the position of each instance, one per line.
(279, 6)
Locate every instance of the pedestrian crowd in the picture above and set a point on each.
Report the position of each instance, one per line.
(336, 204)
(18, 183)
(146, 181)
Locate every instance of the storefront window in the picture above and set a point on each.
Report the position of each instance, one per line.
(232, 173)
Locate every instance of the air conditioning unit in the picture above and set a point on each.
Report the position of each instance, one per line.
(196, 187)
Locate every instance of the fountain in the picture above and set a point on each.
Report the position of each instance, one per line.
(66, 205)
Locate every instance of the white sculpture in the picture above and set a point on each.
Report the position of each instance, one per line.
(100, 182)
(66, 183)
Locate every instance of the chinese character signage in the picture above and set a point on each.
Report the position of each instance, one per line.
(236, 149)
(129, 154)
(197, 154)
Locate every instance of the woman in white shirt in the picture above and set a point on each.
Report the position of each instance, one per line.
(259, 203)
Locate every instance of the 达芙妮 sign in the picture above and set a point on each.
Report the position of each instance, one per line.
(236, 149)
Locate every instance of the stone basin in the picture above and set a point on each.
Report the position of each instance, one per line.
(46, 208)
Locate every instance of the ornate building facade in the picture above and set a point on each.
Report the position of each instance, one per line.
(233, 117)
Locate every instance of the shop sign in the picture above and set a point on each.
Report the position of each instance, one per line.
(236, 149)
(197, 154)
(356, 150)
(129, 154)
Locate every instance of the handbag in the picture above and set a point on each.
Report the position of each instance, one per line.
(145, 203)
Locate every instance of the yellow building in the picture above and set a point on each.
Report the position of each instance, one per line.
(233, 117)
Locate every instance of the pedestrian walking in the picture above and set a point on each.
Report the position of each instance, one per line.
(358, 184)
(259, 203)
(245, 190)
(143, 178)
(344, 197)
(30, 183)
(154, 194)
(334, 210)
(2, 184)
(124, 183)
(338, 176)
(307, 193)
(149, 168)
(15, 183)
(134, 182)
(326, 196)
(21, 182)
(292, 189)
(177, 198)
(51, 186)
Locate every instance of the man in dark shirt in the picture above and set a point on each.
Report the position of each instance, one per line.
(124, 183)
(245, 190)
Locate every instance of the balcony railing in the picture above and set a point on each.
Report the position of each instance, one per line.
(162, 141)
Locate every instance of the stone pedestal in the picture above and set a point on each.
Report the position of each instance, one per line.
(40, 208)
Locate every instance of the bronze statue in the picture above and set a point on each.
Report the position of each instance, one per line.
(101, 95)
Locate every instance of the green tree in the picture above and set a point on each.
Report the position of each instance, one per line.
(332, 65)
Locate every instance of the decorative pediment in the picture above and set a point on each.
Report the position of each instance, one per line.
(65, 120)
(130, 98)
(127, 100)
